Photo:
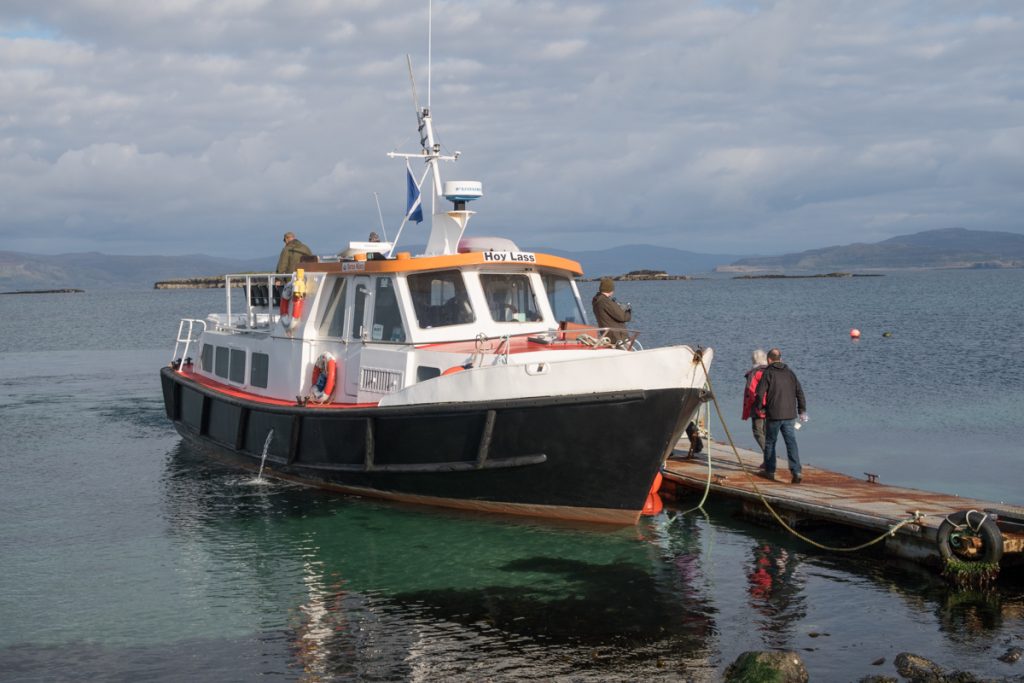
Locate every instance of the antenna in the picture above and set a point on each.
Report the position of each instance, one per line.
(412, 82)
(430, 43)
(381, 216)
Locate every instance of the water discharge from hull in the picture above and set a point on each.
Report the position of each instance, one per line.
(259, 480)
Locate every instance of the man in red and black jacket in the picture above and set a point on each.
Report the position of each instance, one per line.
(755, 414)
(780, 393)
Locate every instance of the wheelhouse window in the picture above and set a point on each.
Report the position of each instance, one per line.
(565, 303)
(387, 318)
(332, 320)
(510, 297)
(440, 299)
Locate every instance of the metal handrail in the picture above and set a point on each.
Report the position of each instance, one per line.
(186, 336)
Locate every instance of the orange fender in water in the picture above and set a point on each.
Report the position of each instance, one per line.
(653, 505)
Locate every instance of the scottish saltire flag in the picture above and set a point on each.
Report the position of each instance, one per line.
(413, 209)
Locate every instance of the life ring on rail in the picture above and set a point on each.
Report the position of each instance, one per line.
(325, 374)
(970, 536)
(453, 369)
(290, 307)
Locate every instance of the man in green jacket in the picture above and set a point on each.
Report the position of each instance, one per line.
(291, 254)
(611, 317)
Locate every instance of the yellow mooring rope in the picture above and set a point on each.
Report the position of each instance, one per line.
(890, 532)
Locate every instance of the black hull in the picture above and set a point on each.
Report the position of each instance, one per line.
(588, 458)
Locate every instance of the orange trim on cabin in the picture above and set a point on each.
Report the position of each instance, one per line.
(421, 263)
(234, 392)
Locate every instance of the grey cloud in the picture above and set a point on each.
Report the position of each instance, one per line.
(209, 125)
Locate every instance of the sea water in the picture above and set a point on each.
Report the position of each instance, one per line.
(126, 555)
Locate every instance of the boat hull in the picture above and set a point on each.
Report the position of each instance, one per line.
(590, 457)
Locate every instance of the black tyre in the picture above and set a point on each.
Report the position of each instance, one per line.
(970, 536)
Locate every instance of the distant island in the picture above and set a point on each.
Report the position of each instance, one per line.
(215, 282)
(46, 291)
(778, 276)
(643, 275)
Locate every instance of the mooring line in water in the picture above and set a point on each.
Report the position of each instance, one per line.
(917, 516)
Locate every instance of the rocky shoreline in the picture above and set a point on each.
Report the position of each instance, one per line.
(786, 666)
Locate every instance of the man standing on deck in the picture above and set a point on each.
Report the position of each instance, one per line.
(291, 254)
(610, 316)
(780, 393)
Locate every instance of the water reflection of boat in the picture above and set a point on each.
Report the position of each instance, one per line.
(466, 376)
(372, 586)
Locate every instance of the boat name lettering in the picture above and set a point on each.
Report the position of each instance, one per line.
(510, 257)
(354, 265)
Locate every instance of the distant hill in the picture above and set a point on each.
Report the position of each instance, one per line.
(619, 260)
(944, 248)
(93, 270)
(96, 271)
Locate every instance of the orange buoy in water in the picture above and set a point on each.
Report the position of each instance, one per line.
(855, 333)
(653, 504)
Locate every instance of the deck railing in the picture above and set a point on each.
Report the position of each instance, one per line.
(261, 297)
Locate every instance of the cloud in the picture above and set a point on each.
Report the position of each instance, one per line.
(180, 126)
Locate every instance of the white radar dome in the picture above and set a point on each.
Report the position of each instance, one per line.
(463, 190)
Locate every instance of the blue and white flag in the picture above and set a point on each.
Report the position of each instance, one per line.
(413, 209)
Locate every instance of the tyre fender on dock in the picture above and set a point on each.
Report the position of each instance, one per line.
(970, 536)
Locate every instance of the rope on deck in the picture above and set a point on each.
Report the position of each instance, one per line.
(916, 517)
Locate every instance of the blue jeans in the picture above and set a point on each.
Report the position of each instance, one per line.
(771, 435)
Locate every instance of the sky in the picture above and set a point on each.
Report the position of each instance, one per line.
(728, 127)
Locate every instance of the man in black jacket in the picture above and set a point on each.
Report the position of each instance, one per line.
(783, 398)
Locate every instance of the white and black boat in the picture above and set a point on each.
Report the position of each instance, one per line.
(466, 376)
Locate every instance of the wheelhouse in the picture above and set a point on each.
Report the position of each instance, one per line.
(389, 323)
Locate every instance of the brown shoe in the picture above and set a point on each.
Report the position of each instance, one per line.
(770, 476)
(797, 479)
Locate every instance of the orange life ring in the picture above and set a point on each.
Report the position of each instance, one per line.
(290, 308)
(452, 370)
(325, 373)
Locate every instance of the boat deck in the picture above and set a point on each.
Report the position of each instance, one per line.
(834, 498)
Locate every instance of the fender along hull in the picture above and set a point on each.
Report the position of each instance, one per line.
(588, 458)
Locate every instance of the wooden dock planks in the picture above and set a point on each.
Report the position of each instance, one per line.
(831, 497)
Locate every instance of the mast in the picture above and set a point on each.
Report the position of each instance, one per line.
(446, 227)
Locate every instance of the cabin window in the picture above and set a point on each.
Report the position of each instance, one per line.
(220, 366)
(565, 302)
(510, 298)
(260, 370)
(206, 358)
(332, 320)
(440, 299)
(359, 310)
(237, 371)
(387, 319)
(425, 372)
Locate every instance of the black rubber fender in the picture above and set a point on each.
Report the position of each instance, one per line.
(974, 523)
